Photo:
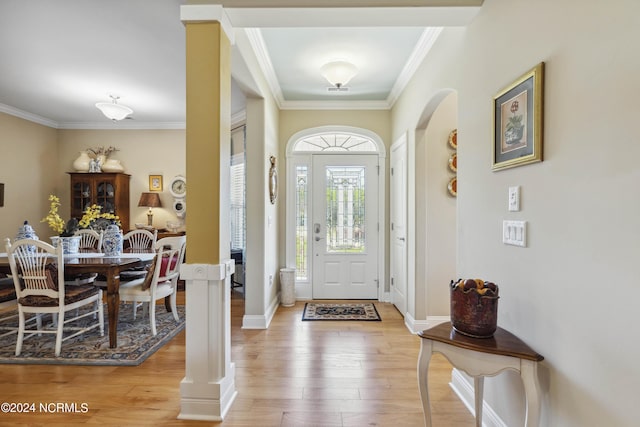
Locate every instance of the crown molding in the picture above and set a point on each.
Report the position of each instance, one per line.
(123, 125)
(28, 116)
(264, 62)
(426, 41)
(335, 105)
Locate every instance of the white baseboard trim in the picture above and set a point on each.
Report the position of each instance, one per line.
(416, 326)
(261, 321)
(464, 390)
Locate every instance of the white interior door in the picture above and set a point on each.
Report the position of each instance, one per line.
(344, 225)
(399, 225)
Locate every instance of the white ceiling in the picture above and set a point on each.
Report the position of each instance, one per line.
(58, 58)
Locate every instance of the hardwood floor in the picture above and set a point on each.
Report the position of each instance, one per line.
(293, 374)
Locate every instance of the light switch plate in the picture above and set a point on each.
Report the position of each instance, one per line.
(514, 199)
(514, 233)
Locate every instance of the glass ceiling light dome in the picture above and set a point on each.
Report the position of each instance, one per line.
(339, 73)
(113, 110)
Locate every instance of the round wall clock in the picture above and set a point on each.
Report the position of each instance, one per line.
(178, 187)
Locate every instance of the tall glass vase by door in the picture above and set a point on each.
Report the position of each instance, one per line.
(112, 241)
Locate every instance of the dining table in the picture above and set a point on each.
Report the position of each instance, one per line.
(108, 266)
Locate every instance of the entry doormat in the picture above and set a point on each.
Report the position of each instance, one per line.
(350, 311)
(135, 342)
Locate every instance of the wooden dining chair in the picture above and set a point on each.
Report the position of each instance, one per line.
(37, 269)
(161, 281)
(8, 309)
(90, 241)
(139, 241)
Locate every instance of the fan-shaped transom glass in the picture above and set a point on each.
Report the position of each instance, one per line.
(335, 142)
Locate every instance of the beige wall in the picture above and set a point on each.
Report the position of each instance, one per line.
(141, 152)
(29, 171)
(435, 213)
(569, 293)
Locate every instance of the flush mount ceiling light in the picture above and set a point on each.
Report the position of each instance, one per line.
(338, 73)
(113, 110)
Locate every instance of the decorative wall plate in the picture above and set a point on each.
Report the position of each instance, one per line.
(453, 139)
(453, 186)
(453, 162)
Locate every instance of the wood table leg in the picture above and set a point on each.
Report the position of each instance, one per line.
(113, 304)
(426, 347)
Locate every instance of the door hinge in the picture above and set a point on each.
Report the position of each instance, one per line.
(391, 171)
(391, 226)
(392, 281)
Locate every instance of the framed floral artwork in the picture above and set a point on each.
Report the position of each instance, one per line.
(155, 182)
(517, 121)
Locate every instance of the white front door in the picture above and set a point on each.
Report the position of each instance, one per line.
(399, 225)
(344, 226)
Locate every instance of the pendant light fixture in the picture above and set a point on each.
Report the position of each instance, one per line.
(113, 110)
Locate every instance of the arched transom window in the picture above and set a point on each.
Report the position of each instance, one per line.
(335, 142)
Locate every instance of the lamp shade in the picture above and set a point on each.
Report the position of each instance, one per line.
(338, 73)
(113, 110)
(150, 200)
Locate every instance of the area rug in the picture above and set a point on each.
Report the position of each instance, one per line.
(349, 311)
(135, 342)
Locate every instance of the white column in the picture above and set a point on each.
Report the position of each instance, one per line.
(208, 388)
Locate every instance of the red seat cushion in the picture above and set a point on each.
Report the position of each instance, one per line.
(164, 265)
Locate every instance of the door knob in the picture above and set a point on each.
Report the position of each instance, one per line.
(318, 238)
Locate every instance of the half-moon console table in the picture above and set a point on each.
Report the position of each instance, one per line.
(481, 357)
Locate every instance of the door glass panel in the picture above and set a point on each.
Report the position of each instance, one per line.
(345, 209)
(302, 263)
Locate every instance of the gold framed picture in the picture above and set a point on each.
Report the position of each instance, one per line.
(517, 121)
(155, 182)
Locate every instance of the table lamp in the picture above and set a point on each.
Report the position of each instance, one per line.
(150, 200)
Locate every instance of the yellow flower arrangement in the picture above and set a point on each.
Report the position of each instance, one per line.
(93, 213)
(53, 219)
(90, 215)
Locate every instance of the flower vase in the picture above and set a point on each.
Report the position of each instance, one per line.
(70, 244)
(81, 164)
(112, 241)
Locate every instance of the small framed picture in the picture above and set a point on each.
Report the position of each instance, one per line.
(1, 195)
(155, 182)
(517, 121)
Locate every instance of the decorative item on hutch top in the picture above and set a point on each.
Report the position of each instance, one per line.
(474, 307)
(82, 162)
(99, 157)
(517, 121)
